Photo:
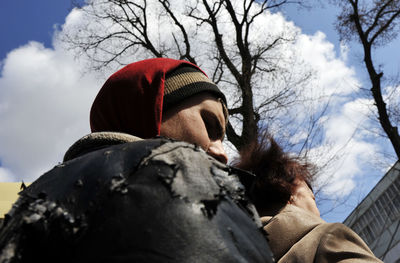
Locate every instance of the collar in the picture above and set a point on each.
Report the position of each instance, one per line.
(295, 222)
(97, 140)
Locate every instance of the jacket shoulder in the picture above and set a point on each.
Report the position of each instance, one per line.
(298, 236)
(154, 200)
(97, 140)
(338, 243)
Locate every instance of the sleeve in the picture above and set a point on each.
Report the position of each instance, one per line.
(341, 244)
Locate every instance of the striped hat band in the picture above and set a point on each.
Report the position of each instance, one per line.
(185, 82)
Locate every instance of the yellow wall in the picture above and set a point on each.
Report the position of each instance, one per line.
(8, 195)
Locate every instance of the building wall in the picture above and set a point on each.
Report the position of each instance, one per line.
(377, 218)
(8, 195)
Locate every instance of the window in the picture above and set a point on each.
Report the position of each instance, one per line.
(377, 215)
(396, 201)
(363, 221)
(397, 182)
(375, 227)
(391, 192)
(368, 234)
(356, 227)
(369, 215)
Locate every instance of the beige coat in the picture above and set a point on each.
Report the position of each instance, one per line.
(296, 235)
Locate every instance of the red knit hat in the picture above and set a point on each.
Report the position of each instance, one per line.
(131, 100)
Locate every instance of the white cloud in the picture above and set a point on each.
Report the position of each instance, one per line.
(5, 175)
(44, 106)
(332, 74)
(350, 147)
(347, 146)
(344, 51)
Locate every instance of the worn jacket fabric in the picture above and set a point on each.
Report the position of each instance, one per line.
(152, 200)
(296, 235)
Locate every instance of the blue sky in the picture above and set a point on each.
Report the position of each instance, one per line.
(322, 18)
(24, 21)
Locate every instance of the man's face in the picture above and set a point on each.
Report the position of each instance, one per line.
(199, 120)
(304, 198)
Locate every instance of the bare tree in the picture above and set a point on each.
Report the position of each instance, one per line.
(230, 39)
(373, 24)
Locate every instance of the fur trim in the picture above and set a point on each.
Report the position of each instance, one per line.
(97, 140)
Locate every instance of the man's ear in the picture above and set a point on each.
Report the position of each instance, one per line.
(291, 200)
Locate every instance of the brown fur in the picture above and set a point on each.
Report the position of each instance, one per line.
(275, 172)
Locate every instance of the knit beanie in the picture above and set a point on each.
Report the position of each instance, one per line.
(185, 82)
(132, 99)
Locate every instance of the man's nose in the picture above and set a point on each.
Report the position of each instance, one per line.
(217, 151)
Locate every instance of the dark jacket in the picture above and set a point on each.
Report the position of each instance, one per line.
(152, 200)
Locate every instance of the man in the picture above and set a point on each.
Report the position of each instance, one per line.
(283, 196)
(163, 97)
(121, 197)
